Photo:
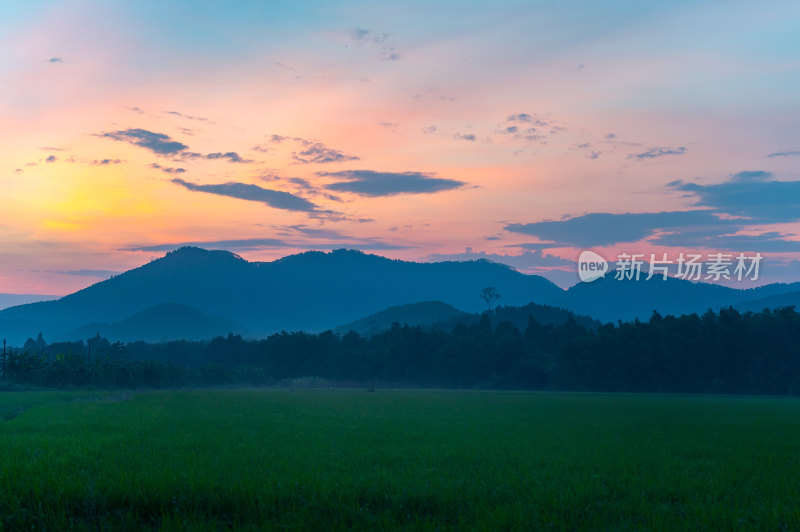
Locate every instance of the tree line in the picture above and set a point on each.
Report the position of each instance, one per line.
(718, 352)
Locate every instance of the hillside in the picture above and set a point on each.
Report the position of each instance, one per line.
(309, 291)
(315, 291)
(425, 314)
(167, 321)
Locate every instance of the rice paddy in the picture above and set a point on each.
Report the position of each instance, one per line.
(253, 459)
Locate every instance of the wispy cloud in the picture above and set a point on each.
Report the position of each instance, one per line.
(188, 117)
(302, 183)
(167, 170)
(785, 154)
(318, 153)
(372, 183)
(230, 156)
(752, 194)
(380, 40)
(652, 153)
(162, 144)
(588, 150)
(768, 242)
(158, 143)
(274, 198)
(527, 127)
(361, 36)
(746, 200)
(601, 229)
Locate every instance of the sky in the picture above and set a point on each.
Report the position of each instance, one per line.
(522, 132)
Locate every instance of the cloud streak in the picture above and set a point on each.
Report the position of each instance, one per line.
(751, 194)
(603, 229)
(158, 143)
(750, 198)
(274, 198)
(785, 154)
(653, 153)
(318, 153)
(374, 184)
(167, 170)
(528, 127)
(230, 156)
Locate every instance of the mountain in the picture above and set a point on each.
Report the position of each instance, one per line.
(309, 291)
(790, 299)
(542, 314)
(608, 299)
(426, 314)
(445, 317)
(315, 291)
(167, 321)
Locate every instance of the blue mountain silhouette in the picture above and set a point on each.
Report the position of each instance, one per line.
(314, 291)
(309, 291)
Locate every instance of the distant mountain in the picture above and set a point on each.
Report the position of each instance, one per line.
(167, 321)
(790, 299)
(309, 291)
(609, 300)
(314, 291)
(425, 314)
(11, 300)
(542, 314)
(443, 316)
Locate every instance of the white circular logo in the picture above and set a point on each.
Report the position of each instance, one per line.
(591, 266)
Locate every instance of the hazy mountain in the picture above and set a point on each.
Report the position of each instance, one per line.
(310, 291)
(443, 316)
(790, 299)
(167, 321)
(314, 291)
(543, 314)
(608, 299)
(424, 314)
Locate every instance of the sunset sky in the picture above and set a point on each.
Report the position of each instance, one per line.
(523, 132)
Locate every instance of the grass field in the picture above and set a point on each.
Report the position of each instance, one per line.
(416, 460)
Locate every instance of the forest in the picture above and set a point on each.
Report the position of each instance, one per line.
(725, 352)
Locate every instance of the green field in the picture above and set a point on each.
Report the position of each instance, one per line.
(416, 460)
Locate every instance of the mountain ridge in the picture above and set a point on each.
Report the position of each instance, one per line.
(310, 291)
(316, 290)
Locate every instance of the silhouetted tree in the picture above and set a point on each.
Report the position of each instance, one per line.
(490, 295)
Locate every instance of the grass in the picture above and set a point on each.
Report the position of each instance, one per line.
(415, 460)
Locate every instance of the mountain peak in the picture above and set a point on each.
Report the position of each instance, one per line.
(335, 256)
(192, 252)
